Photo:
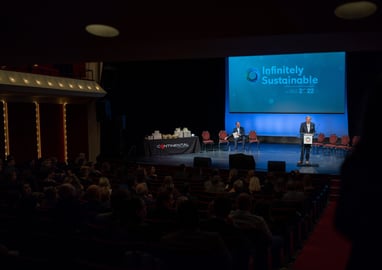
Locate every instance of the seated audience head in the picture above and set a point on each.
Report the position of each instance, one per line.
(188, 215)
(244, 202)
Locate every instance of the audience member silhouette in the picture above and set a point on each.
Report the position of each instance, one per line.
(257, 230)
(152, 173)
(68, 214)
(236, 241)
(132, 225)
(214, 184)
(182, 172)
(253, 182)
(168, 185)
(142, 191)
(91, 203)
(237, 188)
(189, 247)
(106, 221)
(294, 191)
(233, 175)
(358, 209)
(164, 208)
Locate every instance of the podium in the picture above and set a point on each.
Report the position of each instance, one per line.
(308, 138)
(307, 142)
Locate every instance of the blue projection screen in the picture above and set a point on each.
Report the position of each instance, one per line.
(272, 94)
(288, 83)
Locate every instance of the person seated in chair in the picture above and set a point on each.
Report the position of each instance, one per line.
(238, 135)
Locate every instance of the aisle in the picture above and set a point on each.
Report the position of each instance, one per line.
(325, 248)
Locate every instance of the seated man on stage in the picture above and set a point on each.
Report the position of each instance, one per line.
(306, 127)
(238, 135)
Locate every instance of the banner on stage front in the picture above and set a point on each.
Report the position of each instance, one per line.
(308, 138)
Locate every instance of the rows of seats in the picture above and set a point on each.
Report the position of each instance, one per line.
(293, 220)
(36, 239)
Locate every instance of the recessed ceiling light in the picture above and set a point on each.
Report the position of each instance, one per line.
(102, 30)
(355, 10)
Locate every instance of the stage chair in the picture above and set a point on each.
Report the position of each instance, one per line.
(223, 139)
(344, 145)
(207, 141)
(330, 147)
(318, 143)
(253, 139)
(354, 141)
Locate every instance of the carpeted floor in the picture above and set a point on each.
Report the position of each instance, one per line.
(325, 248)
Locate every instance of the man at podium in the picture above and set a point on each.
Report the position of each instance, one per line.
(307, 130)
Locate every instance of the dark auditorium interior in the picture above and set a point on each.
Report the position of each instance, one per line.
(77, 108)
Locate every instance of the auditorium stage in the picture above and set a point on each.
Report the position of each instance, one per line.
(321, 162)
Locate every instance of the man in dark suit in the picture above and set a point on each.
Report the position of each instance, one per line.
(306, 127)
(238, 133)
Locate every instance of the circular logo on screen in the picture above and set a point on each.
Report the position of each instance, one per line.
(252, 75)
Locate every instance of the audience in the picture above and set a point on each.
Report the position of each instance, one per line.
(294, 191)
(237, 243)
(132, 225)
(214, 184)
(168, 185)
(191, 248)
(152, 173)
(182, 173)
(237, 188)
(165, 207)
(233, 175)
(142, 191)
(257, 230)
(253, 182)
(122, 208)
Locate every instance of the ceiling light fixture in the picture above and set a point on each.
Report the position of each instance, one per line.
(102, 30)
(355, 10)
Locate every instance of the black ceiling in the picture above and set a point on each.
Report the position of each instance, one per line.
(53, 32)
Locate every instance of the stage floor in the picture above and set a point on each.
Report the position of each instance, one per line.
(321, 162)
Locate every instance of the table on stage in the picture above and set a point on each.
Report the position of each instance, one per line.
(172, 146)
